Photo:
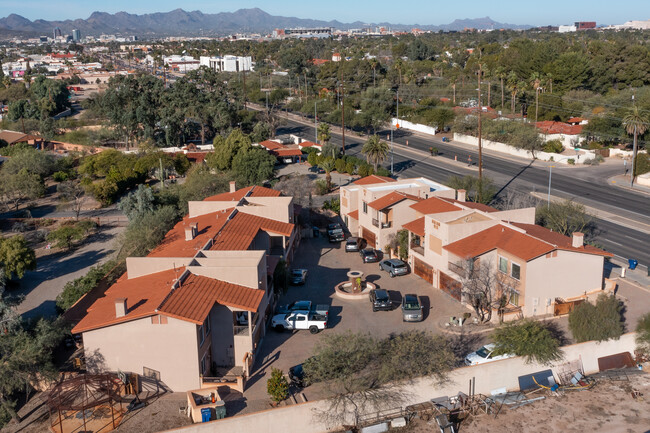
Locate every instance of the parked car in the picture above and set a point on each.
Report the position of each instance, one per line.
(369, 255)
(394, 267)
(302, 305)
(335, 232)
(485, 354)
(297, 320)
(411, 309)
(380, 300)
(352, 245)
(298, 277)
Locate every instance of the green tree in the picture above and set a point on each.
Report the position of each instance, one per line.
(16, 188)
(527, 338)
(324, 134)
(566, 217)
(137, 202)
(635, 124)
(65, 236)
(477, 190)
(253, 166)
(16, 257)
(31, 160)
(600, 321)
(261, 131)
(376, 151)
(144, 234)
(328, 165)
(72, 193)
(277, 386)
(75, 289)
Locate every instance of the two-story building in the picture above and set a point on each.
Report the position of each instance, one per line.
(199, 302)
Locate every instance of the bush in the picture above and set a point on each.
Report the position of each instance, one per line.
(350, 168)
(571, 161)
(599, 322)
(60, 176)
(340, 165)
(553, 146)
(277, 386)
(75, 289)
(65, 236)
(365, 169)
(594, 145)
(333, 204)
(321, 187)
(527, 338)
(642, 164)
(383, 171)
(643, 334)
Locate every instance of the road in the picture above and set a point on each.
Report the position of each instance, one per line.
(584, 185)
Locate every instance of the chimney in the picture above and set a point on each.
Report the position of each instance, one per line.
(191, 231)
(120, 307)
(461, 195)
(578, 240)
(233, 186)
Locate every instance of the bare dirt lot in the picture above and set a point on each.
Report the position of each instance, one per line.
(608, 407)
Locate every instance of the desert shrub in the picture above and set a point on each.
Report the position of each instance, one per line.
(527, 338)
(553, 146)
(600, 321)
(321, 187)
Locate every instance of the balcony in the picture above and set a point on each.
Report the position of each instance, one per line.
(418, 249)
(458, 269)
(383, 225)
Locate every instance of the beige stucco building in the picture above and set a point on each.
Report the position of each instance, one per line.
(196, 307)
(536, 267)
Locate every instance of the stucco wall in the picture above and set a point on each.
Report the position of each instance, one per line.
(490, 376)
(139, 266)
(567, 275)
(171, 349)
(223, 341)
(196, 208)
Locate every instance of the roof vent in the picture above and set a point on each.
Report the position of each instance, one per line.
(461, 195)
(578, 240)
(191, 231)
(233, 186)
(120, 307)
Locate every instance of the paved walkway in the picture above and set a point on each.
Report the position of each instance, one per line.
(41, 287)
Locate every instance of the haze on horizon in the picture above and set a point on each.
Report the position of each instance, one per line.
(436, 12)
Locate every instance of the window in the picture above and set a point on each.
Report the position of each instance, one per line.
(503, 265)
(206, 325)
(204, 364)
(514, 297)
(365, 207)
(201, 335)
(347, 223)
(516, 271)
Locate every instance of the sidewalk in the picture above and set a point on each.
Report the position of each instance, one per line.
(639, 276)
(623, 182)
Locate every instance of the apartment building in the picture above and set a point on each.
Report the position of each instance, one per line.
(199, 302)
(537, 267)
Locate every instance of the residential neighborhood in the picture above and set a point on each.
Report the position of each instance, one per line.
(318, 219)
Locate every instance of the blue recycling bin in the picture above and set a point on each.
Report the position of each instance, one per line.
(206, 414)
(633, 263)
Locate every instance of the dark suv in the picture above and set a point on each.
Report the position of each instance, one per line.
(380, 300)
(369, 255)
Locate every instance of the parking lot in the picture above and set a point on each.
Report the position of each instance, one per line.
(328, 265)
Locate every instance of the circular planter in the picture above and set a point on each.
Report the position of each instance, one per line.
(344, 291)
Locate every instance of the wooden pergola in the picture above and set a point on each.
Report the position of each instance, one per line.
(84, 394)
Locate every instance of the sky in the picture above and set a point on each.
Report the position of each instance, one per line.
(431, 12)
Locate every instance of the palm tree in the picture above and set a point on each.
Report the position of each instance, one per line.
(513, 83)
(328, 165)
(500, 73)
(549, 80)
(399, 64)
(535, 81)
(376, 151)
(373, 64)
(635, 123)
(324, 135)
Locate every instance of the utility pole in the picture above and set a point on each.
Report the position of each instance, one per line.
(162, 175)
(244, 74)
(536, 103)
(634, 148)
(315, 124)
(480, 147)
(342, 120)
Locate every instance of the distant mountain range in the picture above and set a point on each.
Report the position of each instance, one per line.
(180, 22)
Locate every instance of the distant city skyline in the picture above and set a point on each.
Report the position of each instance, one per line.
(552, 12)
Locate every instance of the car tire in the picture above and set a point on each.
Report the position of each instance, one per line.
(313, 329)
(374, 310)
(279, 328)
(392, 275)
(380, 268)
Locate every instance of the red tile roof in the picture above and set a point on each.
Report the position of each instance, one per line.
(240, 231)
(550, 127)
(504, 238)
(434, 205)
(575, 120)
(251, 191)
(373, 178)
(197, 294)
(390, 199)
(472, 205)
(271, 145)
(354, 214)
(174, 243)
(143, 295)
(309, 144)
(416, 226)
(287, 152)
(558, 240)
(196, 157)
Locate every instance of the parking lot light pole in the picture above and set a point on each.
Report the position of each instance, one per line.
(550, 173)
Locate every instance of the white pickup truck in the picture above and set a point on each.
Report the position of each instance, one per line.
(315, 321)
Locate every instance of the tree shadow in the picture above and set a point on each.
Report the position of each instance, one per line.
(425, 302)
(556, 331)
(462, 344)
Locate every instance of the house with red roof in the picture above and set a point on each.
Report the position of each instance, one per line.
(286, 153)
(193, 312)
(568, 133)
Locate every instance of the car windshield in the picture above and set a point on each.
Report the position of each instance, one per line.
(483, 352)
(297, 273)
(411, 304)
(368, 252)
(399, 265)
(381, 296)
(352, 242)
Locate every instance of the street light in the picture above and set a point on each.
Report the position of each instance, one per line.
(392, 172)
(550, 173)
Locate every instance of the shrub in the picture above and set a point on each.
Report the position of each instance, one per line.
(434, 151)
(340, 165)
(350, 168)
(277, 386)
(642, 163)
(365, 169)
(553, 146)
(333, 204)
(383, 171)
(594, 145)
(600, 321)
(571, 161)
(321, 187)
(643, 334)
(65, 236)
(527, 338)
(60, 176)
(75, 289)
